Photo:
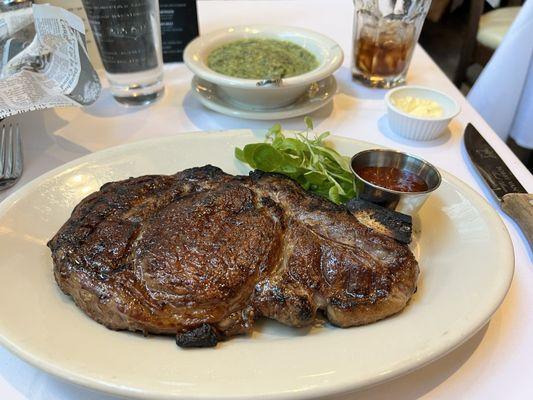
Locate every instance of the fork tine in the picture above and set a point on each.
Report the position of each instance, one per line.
(17, 153)
(8, 170)
(11, 162)
(3, 149)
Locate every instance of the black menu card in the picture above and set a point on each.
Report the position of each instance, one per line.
(179, 25)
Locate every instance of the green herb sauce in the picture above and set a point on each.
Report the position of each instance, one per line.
(261, 59)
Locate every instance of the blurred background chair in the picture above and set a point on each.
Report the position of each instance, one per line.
(493, 26)
(484, 33)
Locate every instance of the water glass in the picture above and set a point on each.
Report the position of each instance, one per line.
(384, 37)
(128, 36)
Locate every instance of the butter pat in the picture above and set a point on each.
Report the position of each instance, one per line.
(418, 107)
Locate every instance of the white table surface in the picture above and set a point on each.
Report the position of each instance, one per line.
(495, 363)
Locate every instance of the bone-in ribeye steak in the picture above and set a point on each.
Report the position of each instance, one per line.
(203, 254)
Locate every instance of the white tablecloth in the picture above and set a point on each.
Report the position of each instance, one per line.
(496, 363)
(503, 93)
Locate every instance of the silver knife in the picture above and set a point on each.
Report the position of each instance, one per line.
(513, 198)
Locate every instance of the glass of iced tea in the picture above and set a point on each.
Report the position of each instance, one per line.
(384, 37)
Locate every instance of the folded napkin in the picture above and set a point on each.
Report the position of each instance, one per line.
(503, 94)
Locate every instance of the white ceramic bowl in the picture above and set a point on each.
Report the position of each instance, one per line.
(420, 128)
(245, 92)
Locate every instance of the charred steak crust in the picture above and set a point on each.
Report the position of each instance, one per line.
(202, 254)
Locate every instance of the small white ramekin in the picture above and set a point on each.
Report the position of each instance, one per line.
(250, 92)
(420, 128)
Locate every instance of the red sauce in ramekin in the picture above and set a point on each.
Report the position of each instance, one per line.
(393, 179)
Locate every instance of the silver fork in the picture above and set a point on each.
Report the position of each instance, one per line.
(10, 155)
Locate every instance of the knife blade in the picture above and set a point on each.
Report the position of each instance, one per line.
(514, 199)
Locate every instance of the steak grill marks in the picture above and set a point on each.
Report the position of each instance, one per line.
(203, 254)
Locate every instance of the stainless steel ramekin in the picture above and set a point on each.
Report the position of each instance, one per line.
(404, 202)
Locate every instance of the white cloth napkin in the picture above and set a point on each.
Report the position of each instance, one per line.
(503, 94)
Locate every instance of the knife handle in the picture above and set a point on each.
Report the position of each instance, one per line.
(520, 208)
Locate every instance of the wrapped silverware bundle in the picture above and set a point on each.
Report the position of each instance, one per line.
(44, 60)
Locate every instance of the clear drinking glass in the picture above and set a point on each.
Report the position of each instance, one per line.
(128, 36)
(384, 37)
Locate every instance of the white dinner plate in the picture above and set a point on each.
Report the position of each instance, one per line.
(464, 251)
(317, 96)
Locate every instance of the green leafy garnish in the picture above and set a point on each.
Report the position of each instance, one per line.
(309, 161)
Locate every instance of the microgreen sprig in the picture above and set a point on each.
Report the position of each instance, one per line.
(305, 158)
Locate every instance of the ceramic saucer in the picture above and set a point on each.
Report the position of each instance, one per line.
(318, 95)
